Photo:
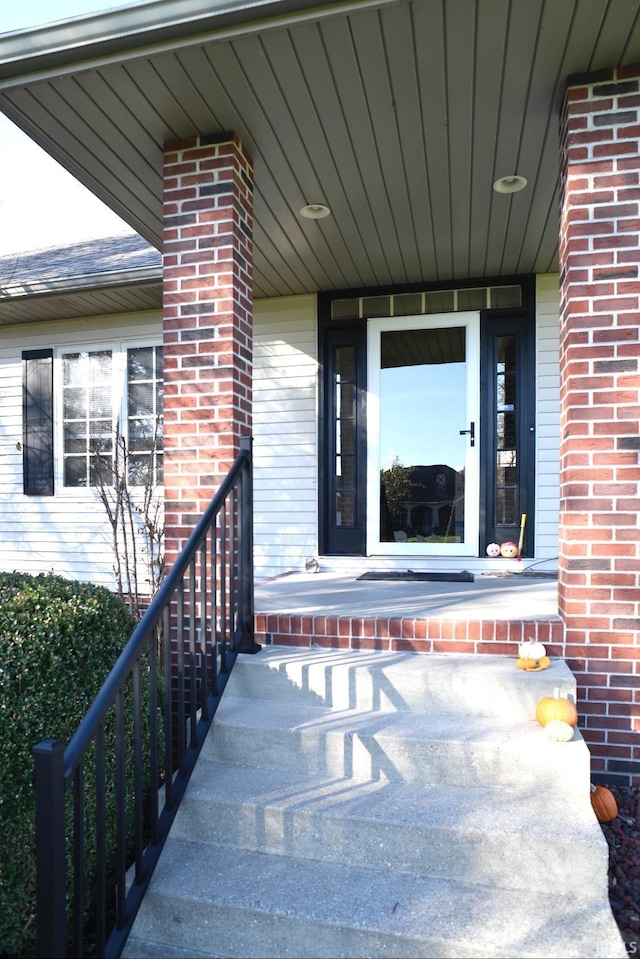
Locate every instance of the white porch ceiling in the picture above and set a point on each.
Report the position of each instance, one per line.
(398, 115)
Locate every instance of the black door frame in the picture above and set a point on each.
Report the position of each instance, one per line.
(521, 324)
(346, 540)
(342, 321)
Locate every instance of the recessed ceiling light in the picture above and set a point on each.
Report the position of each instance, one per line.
(510, 184)
(315, 211)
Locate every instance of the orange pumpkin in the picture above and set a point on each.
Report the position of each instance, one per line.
(604, 803)
(556, 707)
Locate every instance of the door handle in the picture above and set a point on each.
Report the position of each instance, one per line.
(472, 434)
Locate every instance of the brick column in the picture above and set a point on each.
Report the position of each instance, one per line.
(208, 268)
(599, 561)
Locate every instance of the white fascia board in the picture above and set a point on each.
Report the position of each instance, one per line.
(154, 26)
(74, 284)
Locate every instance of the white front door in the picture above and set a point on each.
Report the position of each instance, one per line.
(423, 432)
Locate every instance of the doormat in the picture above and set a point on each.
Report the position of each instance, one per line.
(415, 577)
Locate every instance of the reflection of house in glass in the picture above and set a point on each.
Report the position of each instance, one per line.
(431, 509)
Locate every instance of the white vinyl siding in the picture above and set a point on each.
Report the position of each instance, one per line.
(285, 434)
(66, 533)
(36, 532)
(548, 420)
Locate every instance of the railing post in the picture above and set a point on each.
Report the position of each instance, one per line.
(51, 871)
(247, 645)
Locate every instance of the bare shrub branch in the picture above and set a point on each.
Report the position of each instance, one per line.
(132, 501)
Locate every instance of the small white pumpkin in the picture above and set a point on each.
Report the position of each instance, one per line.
(559, 731)
(531, 650)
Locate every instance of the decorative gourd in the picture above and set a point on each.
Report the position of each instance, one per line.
(524, 663)
(531, 650)
(604, 803)
(509, 550)
(559, 731)
(556, 707)
(533, 665)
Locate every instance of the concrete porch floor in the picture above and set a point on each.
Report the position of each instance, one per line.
(509, 596)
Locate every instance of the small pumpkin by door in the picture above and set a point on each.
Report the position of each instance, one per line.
(556, 707)
(604, 803)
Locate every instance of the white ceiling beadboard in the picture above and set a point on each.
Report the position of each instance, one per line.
(398, 115)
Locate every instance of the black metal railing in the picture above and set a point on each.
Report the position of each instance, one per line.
(105, 801)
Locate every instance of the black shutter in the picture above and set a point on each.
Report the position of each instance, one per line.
(37, 422)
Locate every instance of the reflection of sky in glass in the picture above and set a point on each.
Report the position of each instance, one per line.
(422, 410)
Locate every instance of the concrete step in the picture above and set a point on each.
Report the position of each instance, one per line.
(484, 685)
(365, 805)
(221, 901)
(489, 836)
(401, 746)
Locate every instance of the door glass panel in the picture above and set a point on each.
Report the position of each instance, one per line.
(345, 437)
(506, 492)
(423, 408)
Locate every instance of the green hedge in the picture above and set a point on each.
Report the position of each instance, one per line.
(58, 641)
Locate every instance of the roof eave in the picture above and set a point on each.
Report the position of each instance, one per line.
(56, 48)
(75, 284)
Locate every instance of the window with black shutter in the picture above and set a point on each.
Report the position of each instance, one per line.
(37, 422)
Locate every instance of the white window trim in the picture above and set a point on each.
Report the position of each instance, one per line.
(118, 350)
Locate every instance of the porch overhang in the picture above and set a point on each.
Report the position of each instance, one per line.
(399, 115)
